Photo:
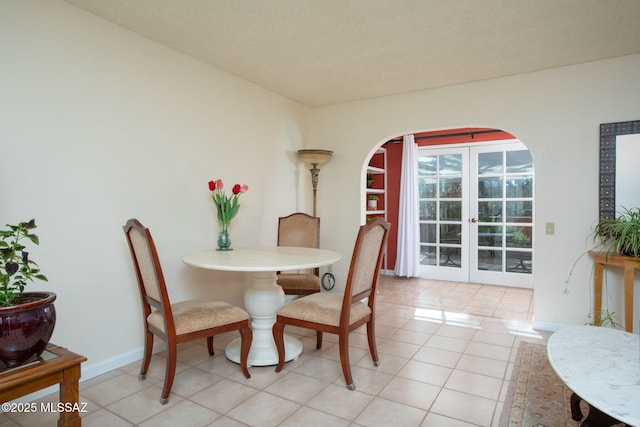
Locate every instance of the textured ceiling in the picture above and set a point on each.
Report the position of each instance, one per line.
(321, 52)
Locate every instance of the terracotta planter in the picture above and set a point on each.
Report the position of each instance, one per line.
(25, 329)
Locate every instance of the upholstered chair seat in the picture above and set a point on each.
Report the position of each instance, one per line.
(326, 309)
(198, 314)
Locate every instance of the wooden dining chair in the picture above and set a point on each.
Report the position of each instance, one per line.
(336, 314)
(299, 230)
(180, 322)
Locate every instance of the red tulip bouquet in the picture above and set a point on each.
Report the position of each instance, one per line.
(227, 207)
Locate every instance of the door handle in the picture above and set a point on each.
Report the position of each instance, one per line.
(474, 220)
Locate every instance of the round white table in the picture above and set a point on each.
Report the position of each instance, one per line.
(602, 366)
(264, 296)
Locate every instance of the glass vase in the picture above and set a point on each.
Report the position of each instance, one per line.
(224, 242)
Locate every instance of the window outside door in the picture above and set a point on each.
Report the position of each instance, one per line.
(480, 233)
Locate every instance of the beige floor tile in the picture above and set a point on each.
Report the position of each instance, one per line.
(447, 343)
(388, 364)
(425, 372)
(489, 351)
(340, 402)
(482, 365)
(476, 384)
(411, 337)
(436, 420)
(409, 392)
(115, 388)
(226, 422)
(437, 356)
(367, 380)
(184, 413)
(223, 395)
(192, 380)
(296, 387)
(397, 348)
(308, 417)
(320, 368)
(103, 418)
(383, 413)
(465, 407)
(263, 409)
(142, 405)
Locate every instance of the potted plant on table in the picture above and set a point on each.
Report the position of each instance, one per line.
(27, 319)
(620, 235)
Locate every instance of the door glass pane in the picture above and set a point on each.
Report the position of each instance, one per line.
(428, 210)
(451, 164)
(427, 255)
(490, 235)
(450, 211)
(520, 187)
(428, 233)
(490, 188)
(519, 161)
(450, 257)
(519, 262)
(451, 188)
(489, 163)
(427, 187)
(519, 237)
(489, 260)
(451, 233)
(519, 211)
(427, 165)
(490, 211)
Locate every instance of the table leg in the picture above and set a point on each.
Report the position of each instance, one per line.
(262, 299)
(597, 293)
(69, 397)
(628, 296)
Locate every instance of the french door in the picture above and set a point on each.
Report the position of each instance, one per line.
(476, 214)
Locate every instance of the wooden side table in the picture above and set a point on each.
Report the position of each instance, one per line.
(630, 264)
(60, 367)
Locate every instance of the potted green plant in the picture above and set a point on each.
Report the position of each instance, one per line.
(373, 203)
(27, 319)
(620, 235)
(369, 180)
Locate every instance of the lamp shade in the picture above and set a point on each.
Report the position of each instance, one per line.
(315, 157)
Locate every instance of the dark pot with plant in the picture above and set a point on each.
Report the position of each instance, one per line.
(27, 319)
(620, 235)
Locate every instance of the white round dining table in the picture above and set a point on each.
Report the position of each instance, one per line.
(264, 296)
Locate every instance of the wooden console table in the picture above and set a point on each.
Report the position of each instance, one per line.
(630, 264)
(59, 367)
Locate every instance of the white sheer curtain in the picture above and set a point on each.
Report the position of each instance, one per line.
(408, 251)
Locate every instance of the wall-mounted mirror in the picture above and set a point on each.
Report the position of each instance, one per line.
(619, 171)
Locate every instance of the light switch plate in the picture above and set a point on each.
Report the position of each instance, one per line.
(549, 228)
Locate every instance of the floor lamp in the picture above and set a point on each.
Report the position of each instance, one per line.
(315, 158)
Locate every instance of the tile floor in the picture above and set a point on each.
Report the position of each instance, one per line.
(446, 352)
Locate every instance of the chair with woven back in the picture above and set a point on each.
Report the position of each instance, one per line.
(179, 322)
(342, 314)
(299, 230)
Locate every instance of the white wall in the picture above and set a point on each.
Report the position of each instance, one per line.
(99, 125)
(556, 113)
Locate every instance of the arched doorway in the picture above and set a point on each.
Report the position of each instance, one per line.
(476, 204)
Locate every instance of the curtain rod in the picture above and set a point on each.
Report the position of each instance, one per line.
(448, 135)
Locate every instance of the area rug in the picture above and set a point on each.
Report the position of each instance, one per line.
(537, 397)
